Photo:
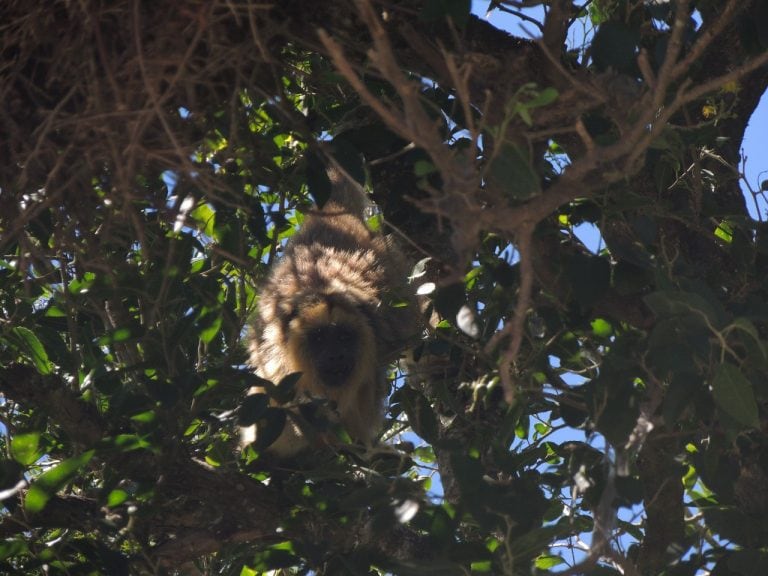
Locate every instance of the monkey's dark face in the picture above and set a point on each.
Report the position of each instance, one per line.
(334, 348)
(331, 342)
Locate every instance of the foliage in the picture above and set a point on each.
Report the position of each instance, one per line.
(569, 409)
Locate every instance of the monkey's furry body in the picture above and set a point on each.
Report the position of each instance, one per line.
(327, 311)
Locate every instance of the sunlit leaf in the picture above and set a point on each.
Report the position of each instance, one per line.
(116, 497)
(212, 324)
(30, 346)
(50, 482)
(205, 217)
(115, 336)
(601, 328)
(546, 562)
(25, 448)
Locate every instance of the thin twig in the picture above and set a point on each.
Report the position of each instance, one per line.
(515, 328)
(675, 45)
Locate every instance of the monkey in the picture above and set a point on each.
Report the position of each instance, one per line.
(337, 309)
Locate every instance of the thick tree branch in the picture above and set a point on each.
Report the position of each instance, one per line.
(660, 474)
(60, 512)
(79, 421)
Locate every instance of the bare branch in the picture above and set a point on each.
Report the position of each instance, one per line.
(515, 329)
(707, 36)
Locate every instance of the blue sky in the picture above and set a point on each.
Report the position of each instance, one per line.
(755, 147)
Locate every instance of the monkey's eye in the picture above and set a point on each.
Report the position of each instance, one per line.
(330, 336)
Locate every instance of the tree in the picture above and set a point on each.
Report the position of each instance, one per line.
(585, 411)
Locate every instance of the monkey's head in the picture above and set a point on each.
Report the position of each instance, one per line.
(330, 340)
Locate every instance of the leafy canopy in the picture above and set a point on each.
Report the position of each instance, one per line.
(590, 392)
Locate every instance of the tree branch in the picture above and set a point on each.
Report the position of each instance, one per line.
(79, 420)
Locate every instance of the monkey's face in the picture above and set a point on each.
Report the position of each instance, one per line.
(331, 342)
(334, 348)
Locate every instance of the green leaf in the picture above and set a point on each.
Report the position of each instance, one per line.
(11, 548)
(665, 303)
(724, 231)
(269, 560)
(286, 389)
(209, 325)
(226, 231)
(25, 448)
(441, 528)
(733, 394)
(116, 497)
(28, 345)
(511, 172)
(130, 442)
(252, 409)
(545, 562)
(55, 312)
(205, 217)
(114, 336)
(449, 299)
(675, 343)
(425, 454)
(601, 328)
(543, 98)
(745, 325)
(48, 483)
(270, 427)
(82, 285)
(145, 417)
